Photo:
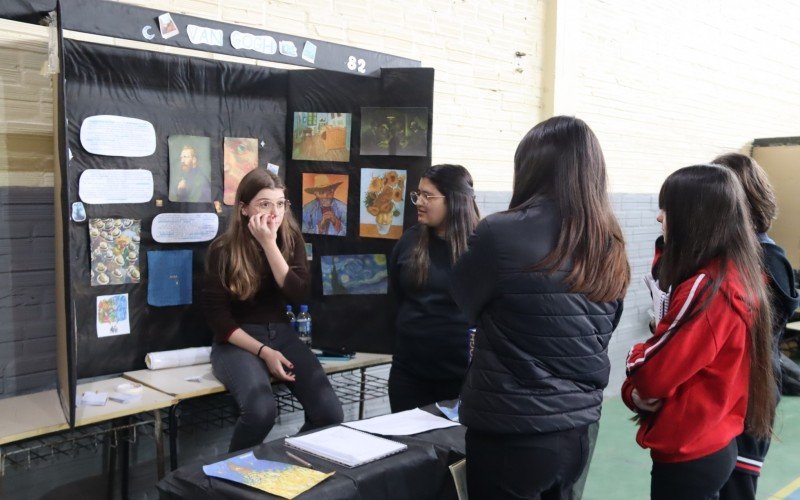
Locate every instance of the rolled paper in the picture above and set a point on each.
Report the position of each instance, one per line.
(180, 357)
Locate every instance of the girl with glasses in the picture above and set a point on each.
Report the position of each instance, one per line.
(252, 271)
(430, 355)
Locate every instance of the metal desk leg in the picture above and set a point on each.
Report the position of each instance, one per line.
(158, 430)
(173, 437)
(2, 472)
(125, 452)
(361, 399)
(112, 462)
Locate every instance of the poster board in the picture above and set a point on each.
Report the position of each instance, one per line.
(107, 319)
(214, 100)
(356, 322)
(183, 98)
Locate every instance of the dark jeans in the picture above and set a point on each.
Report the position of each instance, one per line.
(517, 466)
(699, 479)
(247, 379)
(407, 392)
(744, 480)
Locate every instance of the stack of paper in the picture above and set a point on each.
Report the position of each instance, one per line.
(345, 446)
(404, 423)
(93, 398)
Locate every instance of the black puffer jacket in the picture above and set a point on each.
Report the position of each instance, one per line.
(540, 362)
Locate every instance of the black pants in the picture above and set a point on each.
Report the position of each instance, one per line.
(744, 479)
(407, 392)
(529, 466)
(577, 489)
(247, 379)
(699, 479)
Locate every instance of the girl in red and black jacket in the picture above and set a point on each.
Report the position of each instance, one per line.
(706, 374)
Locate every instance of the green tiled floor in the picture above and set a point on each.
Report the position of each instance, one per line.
(621, 470)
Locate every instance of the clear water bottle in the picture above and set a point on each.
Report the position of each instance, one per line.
(304, 325)
(291, 318)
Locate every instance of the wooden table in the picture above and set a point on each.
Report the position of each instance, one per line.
(172, 382)
(34, 415)
(151, 401)
(31, 415)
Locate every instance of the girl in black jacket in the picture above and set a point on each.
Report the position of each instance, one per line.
(784, 298)
(430, 355)
(544, 283)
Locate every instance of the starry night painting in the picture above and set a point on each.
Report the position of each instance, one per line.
(354, 274)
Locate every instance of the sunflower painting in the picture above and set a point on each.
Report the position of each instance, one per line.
(383, 194)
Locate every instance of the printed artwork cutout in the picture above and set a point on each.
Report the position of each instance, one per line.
(277, 478)
(321, 136)
(112, 315)
(241, 156)
(394, 131)
(382, 197)
(189, 169)
(325, 204)
(167, 26)
(354, 274)
(114, 247)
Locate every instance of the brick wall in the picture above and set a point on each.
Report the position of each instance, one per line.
(485, 95)
(670, 84)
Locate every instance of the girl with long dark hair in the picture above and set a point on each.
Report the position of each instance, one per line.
(430, 356)
(544, 283)
(252, 270)
(706, 374)
(783, 297)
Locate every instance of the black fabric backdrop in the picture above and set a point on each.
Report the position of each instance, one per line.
(192, 96)
(355, 322)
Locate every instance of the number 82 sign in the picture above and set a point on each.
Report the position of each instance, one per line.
(354, 64)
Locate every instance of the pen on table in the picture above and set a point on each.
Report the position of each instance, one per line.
(299, 460)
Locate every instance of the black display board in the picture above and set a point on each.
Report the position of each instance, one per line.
(190, 96)
(356, 322)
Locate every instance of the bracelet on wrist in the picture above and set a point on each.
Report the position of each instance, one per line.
(258, 354)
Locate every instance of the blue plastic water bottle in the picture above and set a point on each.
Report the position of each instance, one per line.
(304, 325)
(290, 316)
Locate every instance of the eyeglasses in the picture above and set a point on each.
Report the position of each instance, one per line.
(421, 196)
(269, 206)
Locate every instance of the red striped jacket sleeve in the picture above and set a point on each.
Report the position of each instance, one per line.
(672, 356)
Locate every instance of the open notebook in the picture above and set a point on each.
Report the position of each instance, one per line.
(345, 446)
